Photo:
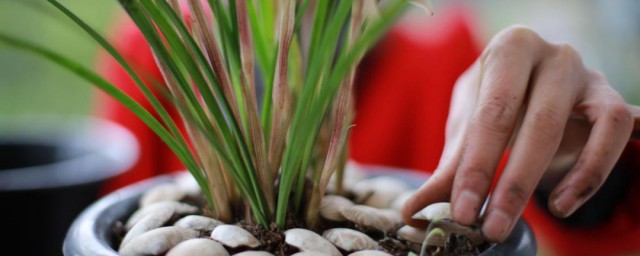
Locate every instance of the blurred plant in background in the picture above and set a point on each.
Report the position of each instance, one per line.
(30, 85)
(607, 33)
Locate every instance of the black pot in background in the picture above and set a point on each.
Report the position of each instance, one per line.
(51, 168)
(92, 232)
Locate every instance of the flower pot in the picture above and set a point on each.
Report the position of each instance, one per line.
(91, 233)
(51, 168)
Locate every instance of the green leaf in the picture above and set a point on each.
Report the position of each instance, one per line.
(162, 112)
(111, 90)
(211, 81)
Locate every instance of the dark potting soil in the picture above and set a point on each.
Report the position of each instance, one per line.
(459, 245)
(394, 246)
(272, 240)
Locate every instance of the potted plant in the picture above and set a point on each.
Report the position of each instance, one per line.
(263, 164)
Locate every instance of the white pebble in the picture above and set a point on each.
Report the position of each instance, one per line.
(306, 240)
(411, 234)
(349, 240)
(402, 199)
(198, 222)
(157, 241)
(200, 247)
(309, 253)
(253, 253)
(378, 219)
(379, 192)
(163, 192)
(188, 184)
(177, 208)
(150, 221)
(434, 211)
(331, 207)
(234, 236)
(370, 253)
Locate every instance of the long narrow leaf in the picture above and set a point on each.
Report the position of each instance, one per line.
(111, 90)
(219, 107)
(162, 112)
(280, 95)
(256, 135)
(291, 169)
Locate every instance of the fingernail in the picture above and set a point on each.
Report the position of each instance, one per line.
(565, 204)
(466, 208)
(496, 225)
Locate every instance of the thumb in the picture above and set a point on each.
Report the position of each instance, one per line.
(437, 188)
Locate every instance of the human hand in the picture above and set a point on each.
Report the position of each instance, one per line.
(554, 113)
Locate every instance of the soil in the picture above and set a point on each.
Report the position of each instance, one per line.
(459, 245)
(394, 246)
(272, 240)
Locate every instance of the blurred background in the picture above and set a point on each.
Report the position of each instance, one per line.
(30, 85)
(606, 33)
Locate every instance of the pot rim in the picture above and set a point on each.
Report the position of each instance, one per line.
(110, 150)
(90, 232)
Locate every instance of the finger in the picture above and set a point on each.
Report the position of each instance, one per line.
(505, 73)
(612, 127)
(435, 189)
(438, 186)
(550, 103)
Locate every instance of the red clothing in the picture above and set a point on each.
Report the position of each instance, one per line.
(403, 95)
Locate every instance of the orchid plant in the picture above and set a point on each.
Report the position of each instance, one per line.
(266, 156)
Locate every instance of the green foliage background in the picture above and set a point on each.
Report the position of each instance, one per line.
(29, 84)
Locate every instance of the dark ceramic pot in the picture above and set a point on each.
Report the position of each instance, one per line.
(91, 233)
(52, 168)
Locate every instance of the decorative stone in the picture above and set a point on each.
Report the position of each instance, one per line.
(379, 192)
(448, 227)
(379, 219)
(402, 199)
(188, 184)
(350, 240)
(434, 211)
(200, 247)
(177, 208)
(309, 253)
(197, 222)
(352, 175)
(234, 237)
(157, 241)
(309, 241)
(411, 234)
(253, 253)
(163, 192)
(331, 207)
(370, 253)
(150, 221)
